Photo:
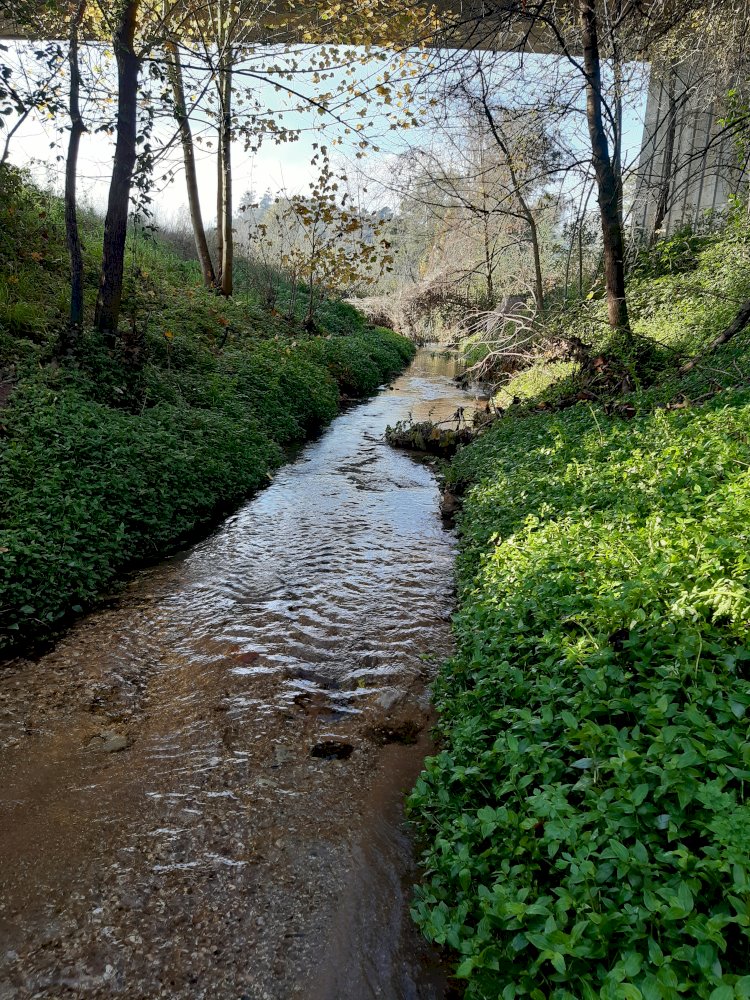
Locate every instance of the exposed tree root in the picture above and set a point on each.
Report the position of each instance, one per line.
(737, 325)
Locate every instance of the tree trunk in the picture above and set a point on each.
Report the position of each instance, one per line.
(608, 184)
(528, 215)
(309, 322)
(580, 261)
(72, 235)
(488, 255)
(538, 282)
(116, 221)
(174, 69)
(618, 116)
(225, 219)
(489, 280)
(219, 204)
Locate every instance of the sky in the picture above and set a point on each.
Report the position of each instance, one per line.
(275, 168)
(39, 146)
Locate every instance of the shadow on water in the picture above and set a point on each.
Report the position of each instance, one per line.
(201, 785)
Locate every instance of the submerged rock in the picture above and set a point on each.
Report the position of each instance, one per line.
(109, 743)
(400, 730)
(332, 749)
(392, 698)
(450, 505)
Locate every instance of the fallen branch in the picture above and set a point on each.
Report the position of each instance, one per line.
(737, 325)
(429, 437)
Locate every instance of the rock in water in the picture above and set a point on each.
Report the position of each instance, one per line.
(332, 749)
(109, 743)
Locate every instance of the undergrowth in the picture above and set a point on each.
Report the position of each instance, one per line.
(585, 821)
(682, 293)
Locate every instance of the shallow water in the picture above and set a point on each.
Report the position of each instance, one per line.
(164, 827)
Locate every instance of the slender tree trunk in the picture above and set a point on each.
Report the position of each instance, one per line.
(72, 235)
(488, 259)
(580, 262)
(225, 219)
(534, 237)
(310, 313)
(618, 117)
(308, 324)
(174, 69)
(219, 205)
(608, 186)
(116, 221)
(538, 282)
(489, 279)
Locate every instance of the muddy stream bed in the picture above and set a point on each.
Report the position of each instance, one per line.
(201, 785)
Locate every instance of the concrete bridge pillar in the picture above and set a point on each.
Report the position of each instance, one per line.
(688, 166)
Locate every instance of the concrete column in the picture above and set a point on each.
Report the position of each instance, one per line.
(704, 168)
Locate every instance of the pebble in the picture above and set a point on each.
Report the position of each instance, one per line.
(109, 743)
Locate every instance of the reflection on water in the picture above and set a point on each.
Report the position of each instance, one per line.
(209, 829)
(337, 573)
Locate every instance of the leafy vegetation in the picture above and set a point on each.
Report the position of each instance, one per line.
(683, 292)
(103, 465)
(585, 821)
(586, 818)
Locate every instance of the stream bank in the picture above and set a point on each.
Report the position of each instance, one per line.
(201, 784)
(103, 468)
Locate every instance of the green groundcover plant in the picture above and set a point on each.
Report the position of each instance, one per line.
(87, 487)
(585, 823)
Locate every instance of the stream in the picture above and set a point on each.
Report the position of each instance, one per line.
(201, 784)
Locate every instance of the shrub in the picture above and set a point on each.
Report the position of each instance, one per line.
(85, 489)
(361, 362)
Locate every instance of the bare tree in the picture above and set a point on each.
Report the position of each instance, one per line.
(602, 30)
(175, 75)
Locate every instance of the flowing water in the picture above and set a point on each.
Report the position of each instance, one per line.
(201, 784)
